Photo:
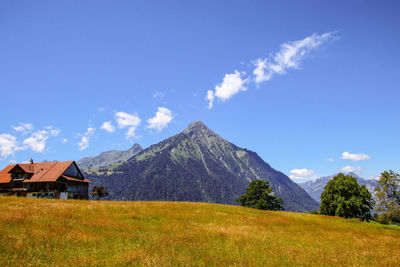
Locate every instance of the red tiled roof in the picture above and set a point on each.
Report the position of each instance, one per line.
(42, 172)
(75, 179)
(5, 177)
(48, 171)
(28, 168)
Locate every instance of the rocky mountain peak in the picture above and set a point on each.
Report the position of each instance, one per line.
(198, 129)
(316, 187)
(136, 146)
(109, 157)
(196, 126)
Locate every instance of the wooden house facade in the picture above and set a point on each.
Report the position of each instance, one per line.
(58, 179)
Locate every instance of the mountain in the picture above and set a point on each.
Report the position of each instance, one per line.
(197, 165)
(108, 158)
(315, 188)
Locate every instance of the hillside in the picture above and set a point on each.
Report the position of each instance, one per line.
(197, 165)
(316, 187)
(41, 232)
(108, 158)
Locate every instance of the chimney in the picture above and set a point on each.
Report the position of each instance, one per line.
(31, 161)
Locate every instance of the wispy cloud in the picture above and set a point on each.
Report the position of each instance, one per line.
(8, 145)
(290, 56)
(52, 130)
(23, 127)
(259, 71)
(331, 159)
(302, 174)
(85, 138)
(210, 98)
(232, 84)
(108, 127)
(355, 157)
(130, 133)
(158, 94)
(162, 118)
(37, 141)
(124, 120)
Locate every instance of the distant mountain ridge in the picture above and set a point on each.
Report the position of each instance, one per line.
(197, 165)
(108, 158)
(316, 187)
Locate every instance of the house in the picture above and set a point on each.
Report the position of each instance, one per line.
(57, 179)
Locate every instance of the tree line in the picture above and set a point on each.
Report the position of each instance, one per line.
(342, 197)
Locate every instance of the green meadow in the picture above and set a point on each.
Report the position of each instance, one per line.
(36, 232)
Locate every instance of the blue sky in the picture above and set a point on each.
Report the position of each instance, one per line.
(81, 77)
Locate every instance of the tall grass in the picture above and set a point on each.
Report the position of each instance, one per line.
(37, 232)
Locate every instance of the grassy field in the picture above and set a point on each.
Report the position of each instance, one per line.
(98, 233)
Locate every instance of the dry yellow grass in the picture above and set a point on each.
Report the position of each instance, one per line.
(98, 233)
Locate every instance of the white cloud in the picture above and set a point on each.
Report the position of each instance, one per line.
(355, 157)
(8, 145)
(331, 159)
(259, 71)
(302, 174)
(12, 161)
(290, 56)
(158, 94)
(124, 119)
(85, 138)
(52, 130)
(232, 84)
(23, 127)
(107, 126)
(64, 140)
(210, 98)
(37, 141)
(130, 133)
(162, 118)
(356, 169)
